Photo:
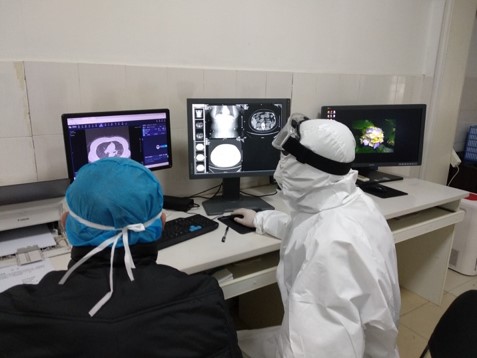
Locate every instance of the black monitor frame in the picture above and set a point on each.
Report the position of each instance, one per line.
(132, 126)
(403, 123)
(252, 143)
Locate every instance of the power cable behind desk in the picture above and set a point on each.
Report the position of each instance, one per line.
(182, 229)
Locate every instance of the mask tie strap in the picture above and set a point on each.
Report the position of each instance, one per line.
(93, 252)
(104, 244)
(109, 294)
(128, 260)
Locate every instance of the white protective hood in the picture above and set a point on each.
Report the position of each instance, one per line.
(307, 189)
(338, 270)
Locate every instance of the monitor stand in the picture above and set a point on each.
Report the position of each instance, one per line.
(231, 199)
(375, 176)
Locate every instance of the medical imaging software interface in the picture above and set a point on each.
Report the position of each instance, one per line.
(144, 137)
(230, 139)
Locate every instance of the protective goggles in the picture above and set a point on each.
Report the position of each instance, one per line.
(288, 141)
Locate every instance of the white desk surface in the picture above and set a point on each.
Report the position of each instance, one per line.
(421, 195)
(208, 251)
(424, 275)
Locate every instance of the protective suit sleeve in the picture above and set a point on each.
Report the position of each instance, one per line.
(272, 222)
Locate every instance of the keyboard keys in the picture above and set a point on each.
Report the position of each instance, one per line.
(182, 229)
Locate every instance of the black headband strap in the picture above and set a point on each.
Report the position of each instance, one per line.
(306, 156)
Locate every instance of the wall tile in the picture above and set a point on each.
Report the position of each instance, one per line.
(17, 161)
(336, 89)
(103, 87)
(424, 94)
(377, 89)
(50, 157)
(409, 90)
(220, 84)
(14, 118)
(279, 84)
(183, 84)
(146, 87)
(304, 94)
(53, 89)
(251, 84)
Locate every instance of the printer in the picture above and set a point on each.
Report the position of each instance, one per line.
(32, 205)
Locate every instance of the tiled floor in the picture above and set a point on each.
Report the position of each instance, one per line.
(419, 316)
(417, 321)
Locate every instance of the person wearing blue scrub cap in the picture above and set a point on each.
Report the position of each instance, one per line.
(119, 193)
(115, 300)
(121, 208)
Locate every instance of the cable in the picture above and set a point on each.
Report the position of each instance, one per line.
(451, 179)
(259, 196)
(197, 195)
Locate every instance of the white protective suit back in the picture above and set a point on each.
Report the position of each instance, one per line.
(337, 272)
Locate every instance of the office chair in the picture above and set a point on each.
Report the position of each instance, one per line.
(455, 335)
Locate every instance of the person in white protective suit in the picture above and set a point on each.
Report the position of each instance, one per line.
(337, 272)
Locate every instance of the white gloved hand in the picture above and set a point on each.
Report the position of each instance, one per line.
(245, 217)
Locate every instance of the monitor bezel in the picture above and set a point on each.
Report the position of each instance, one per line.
(375, 160)
(66, 116)
(286, 108)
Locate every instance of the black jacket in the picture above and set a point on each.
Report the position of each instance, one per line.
(162, 313)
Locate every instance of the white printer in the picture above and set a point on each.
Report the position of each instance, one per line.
(29, 205)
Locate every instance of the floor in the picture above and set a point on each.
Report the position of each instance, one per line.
(417, 321)
(419, 316)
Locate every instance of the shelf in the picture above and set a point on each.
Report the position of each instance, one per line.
(409, 226)
(251, 274)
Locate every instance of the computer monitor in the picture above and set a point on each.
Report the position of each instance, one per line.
(386, 135)
(230, 138)
(142, 135)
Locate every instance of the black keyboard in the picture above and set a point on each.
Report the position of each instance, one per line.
(182, 229)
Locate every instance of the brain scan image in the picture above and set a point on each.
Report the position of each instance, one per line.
(104, 147)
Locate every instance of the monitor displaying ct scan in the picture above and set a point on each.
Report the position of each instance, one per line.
(141, 135)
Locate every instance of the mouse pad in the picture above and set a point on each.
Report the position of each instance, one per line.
(227, 220)
(385, 192)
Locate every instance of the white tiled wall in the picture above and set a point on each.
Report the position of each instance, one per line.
(53, 88)
(14, 106)
(35, 94)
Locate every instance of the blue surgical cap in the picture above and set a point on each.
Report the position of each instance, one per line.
(114, 192)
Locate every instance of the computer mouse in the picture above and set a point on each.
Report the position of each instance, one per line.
(233, 216)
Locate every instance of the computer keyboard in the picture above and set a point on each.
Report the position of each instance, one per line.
(182, 229)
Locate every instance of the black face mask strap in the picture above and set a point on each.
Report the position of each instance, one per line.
(306, 156)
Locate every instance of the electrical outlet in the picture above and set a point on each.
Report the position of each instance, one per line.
(454, 159)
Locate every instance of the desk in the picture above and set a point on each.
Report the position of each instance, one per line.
(422, 223)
